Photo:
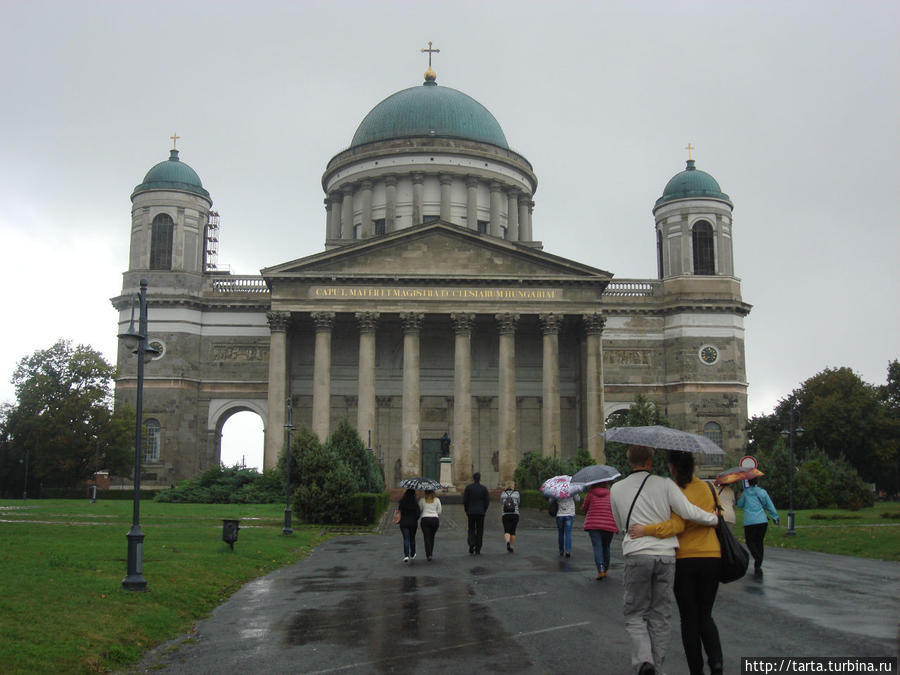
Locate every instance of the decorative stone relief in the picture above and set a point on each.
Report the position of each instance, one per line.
(240, 352)
(628, 357)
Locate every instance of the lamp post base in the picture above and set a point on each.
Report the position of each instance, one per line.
(134, 579)
(286, 530)
(790, 528)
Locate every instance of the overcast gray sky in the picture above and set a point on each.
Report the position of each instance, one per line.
(792, 106)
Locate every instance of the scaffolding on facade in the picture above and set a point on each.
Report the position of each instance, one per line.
(211, 258)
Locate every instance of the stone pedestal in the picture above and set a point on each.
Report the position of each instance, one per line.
(447, 474)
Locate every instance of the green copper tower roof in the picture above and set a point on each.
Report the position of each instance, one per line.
(173, 174)
(692, 184)
(429, 110)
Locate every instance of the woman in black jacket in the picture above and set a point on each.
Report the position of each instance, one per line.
(409, 522)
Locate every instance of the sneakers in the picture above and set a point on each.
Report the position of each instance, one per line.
(647, 669)
(406, 558)
(412, 557)
(508, 547)
(568, 555)
(601, 576)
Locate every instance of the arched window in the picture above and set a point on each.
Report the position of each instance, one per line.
(617, 418)
(161, 234)
(659, 255)
(151, 450)
(704, 248)
(713, 431)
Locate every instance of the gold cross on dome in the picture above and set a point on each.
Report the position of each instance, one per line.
(174, 138)
(430, 51)
(689, 148)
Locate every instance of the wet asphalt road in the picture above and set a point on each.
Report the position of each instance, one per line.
(353, 606)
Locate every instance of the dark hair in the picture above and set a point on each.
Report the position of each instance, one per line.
(638, 455)
(753, 482)
(409, 499)
(682, 466)
(476, 477)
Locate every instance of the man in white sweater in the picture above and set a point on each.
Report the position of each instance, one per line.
(642, 499)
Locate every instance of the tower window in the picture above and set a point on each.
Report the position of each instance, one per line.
(161, 234)
(482, 226)
(357, 231)
(659, 253)
(704, 248)
(713, 431)
(151, 450)
(379, 226)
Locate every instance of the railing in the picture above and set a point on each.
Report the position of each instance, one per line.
(630, 288)
(233, 285)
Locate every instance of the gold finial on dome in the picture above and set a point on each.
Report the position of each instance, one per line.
(430, 75)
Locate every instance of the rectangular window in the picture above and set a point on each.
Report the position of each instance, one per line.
(151, 449)
(357, 230)
(379, 226)
(482, 226)
(430, 218)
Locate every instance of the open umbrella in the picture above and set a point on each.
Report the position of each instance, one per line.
(560, 487)
(663, 438)
(734, 474)
(421, 484)
(598, 473)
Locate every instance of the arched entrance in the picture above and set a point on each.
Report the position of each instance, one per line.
(238, 431)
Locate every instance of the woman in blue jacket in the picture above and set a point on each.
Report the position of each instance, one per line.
(757, 507)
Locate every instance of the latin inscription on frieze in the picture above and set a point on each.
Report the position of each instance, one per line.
(433, 293)
(240, 352)
(627, 357)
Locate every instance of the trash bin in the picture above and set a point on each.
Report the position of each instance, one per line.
(230, 529)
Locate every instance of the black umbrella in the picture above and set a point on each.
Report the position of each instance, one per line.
(420, 484)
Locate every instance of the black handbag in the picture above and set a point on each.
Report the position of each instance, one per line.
(735, 558)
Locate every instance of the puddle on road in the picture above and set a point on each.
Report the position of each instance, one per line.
(420, 618)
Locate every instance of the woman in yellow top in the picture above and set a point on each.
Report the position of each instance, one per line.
(696, 567)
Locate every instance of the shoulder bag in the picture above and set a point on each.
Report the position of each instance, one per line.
(396, 516)
(735, 557)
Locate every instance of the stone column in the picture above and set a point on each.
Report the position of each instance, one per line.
(347, 213)
(329, 218)
(446, 184)
(524, 222)
(366, 230)
(512, 214)
(418, 180)
(550, 445)
(594, 419)
(390, 204)
(321, 413)
(461, 448)
(507, 445)
(410, 443)
(496, 196)
(472, 203)
(277, 390)
(365, 415)
(687, 247)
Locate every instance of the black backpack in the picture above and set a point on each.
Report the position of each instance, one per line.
(509, 504)
(553, 508)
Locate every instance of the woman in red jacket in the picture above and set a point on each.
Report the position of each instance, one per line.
(599, 524)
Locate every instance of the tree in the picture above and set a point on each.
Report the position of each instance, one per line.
(641, 413)
(63, 417)
(346, 444)
(325, 493)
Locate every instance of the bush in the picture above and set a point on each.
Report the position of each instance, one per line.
(227, 485)
(348, 446)
(534, 469)
(327, 485)
(367, 508)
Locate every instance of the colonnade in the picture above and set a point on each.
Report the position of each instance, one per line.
(463, 322)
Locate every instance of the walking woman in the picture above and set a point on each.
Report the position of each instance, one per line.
(697, 563)
(509, 508)
(409, 521)
(757, 507)
(565, 516)
(430, 506)
(600, 525)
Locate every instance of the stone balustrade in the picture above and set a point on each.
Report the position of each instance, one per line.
(232, 285)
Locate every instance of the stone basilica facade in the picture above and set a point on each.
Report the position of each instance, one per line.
(431, 310)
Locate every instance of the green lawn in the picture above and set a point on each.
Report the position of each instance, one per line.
(867, 533)
(63, 609)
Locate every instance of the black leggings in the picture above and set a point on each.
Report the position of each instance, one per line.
(429, 526)
(754, 536)
(696, 583)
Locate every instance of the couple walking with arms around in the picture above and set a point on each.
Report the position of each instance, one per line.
(427, 512)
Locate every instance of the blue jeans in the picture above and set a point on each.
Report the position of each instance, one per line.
(600, 540)
(564, 528)
(409, 540)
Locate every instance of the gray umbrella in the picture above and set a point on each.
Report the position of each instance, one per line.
(598, 473)
(421, 484)
(664, 438)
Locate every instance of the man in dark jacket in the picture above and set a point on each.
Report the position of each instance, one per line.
(475, 502)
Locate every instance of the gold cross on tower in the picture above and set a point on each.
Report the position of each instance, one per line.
(689, 148)
(430, 52)
(174, 138)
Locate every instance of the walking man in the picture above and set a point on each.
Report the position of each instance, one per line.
(475, 502)
(642, 499)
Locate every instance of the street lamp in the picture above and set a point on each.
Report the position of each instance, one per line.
(136, 342)
(791, 432)
(288, 428)
(25, 486)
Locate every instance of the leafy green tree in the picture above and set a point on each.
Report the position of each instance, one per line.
(641, 413)
(325, 491)
(63, 417)
(346, 444)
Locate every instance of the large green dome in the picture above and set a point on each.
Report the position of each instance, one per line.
(173, 174)
(692, 184)
(429, 110)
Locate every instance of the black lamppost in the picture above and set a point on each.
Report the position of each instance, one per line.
(791, 432)
(25, 486)
(288, 428)
(136, 342)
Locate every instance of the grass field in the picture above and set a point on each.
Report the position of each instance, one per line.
(63, 608)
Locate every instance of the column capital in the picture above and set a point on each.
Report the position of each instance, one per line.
(550, 323)
(507, 322)
(348, 190)
(278, 321)
(323, 320)
(514, 192)
(463, 322)
(445, 178)
(366, 185)
(367, 320)
(496, 187)
(524, 199)
(412, 321)
(593, 323)
(390, 180)
(418, 177)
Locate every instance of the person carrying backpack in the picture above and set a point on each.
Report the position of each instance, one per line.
(509, 508)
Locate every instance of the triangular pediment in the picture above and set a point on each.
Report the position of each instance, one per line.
(436, 250)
